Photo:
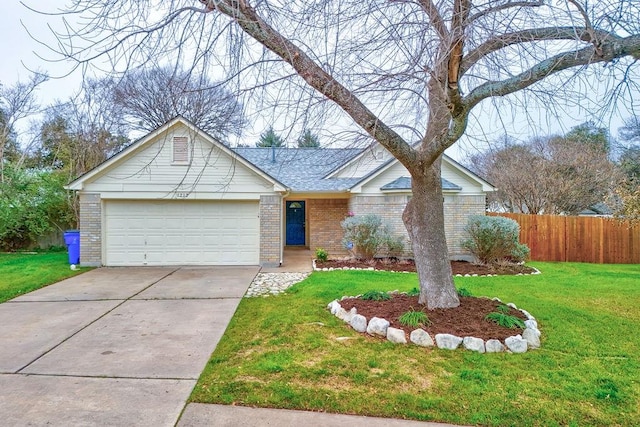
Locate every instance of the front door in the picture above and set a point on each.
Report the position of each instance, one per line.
(295, 223)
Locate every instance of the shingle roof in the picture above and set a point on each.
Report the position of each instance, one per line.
(404, 183)
(303, 169)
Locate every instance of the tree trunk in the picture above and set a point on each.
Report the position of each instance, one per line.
(424, 219)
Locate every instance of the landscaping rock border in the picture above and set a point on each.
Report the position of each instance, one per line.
(266, 284)
(529, 339)
(316, 268)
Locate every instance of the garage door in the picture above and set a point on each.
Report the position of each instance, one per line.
(181, 233)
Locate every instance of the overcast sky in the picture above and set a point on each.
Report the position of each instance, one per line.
(20, 53)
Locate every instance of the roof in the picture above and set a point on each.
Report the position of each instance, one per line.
(303, 169)
(404, 183)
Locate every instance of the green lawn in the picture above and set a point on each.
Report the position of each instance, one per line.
(25, 272)
(289, 352)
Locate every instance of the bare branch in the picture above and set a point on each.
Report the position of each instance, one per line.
(611, 50)
(436, 19)
(504, 6)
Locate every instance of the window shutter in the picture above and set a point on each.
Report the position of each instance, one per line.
(180, 149)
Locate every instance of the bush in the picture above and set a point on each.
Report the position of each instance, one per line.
(494, 239)
(322, 255)
(414, 319)
(375, 296)
(366, 235)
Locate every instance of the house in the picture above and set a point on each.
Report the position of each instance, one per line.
(179, 197)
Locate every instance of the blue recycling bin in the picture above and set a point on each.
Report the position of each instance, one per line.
(72, 240)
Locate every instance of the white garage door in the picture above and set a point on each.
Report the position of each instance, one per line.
(181, 233)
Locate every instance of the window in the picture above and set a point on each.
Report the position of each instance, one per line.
(180, 150)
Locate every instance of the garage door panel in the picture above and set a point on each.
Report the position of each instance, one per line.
(181, 233)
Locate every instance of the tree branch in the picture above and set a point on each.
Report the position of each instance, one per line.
(611, 50)
(504, 6)
(533, 35)
(248, 19)
(436, 19)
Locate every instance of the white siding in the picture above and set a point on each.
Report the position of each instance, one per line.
(151, 173)
(469, 186)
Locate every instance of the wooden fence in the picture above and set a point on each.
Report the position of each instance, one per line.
(578, 238)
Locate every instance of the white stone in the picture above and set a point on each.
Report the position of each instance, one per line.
(512, 305)
(378, 326)
(473, 344)
(448, 341)
(421, 337)
(334, 306)
(496, 299)
(516, 344)
(341, 314)
(494, 346)
(531, 323)
(532, 336)
(396, 336)
(359, 323)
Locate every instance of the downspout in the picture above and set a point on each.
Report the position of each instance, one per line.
(283, 212)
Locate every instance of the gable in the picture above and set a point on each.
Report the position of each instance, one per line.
(456, 180)
(177, 162)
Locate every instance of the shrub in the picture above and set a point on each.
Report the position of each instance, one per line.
(366, 235)
(464, 292)
(414, 319)
(494, 239)
(375, 296)
(414, 292)
(322, 255)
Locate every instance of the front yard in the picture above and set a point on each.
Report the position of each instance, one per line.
(290, 352)
(25, 272)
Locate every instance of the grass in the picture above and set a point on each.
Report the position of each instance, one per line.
(25, 272)
(290, 352)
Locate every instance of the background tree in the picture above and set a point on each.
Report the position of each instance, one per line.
(626, 200)
(308, 140)
(270, 138)
(17, 102)
(551, 175)
(409, 74)
(150, 97)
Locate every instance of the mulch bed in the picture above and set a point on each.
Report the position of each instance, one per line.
(458, 267)
(467, 320)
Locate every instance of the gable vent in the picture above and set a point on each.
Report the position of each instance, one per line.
(180, 149)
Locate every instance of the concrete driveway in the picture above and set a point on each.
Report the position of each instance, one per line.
(114, 346)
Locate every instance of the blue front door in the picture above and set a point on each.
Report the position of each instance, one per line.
(295, 223)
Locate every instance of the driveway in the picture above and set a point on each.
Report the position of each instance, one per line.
(114, 346)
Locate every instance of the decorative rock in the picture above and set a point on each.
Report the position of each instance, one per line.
(448, 341)
(334, 306)
(473, 344)
(496, 299)
(421, 337)
(512, 305)
(494, 346)
(341, 313)
(378, 326)
(527, 314)
(531, 323)
(516, 344)
(396, 336)
(532, 336)
(359, 323)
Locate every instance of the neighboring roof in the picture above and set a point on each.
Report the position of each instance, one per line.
(302, 169)
(404, 183)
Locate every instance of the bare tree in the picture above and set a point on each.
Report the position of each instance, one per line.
(552, 175)
(17, 102)
(408, 73)
(150, 97)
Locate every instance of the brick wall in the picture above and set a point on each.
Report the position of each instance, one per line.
(325, 232)
(90, 230)
(270, 221)
(457, 209)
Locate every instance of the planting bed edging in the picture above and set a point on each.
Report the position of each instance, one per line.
(316, 268)
(530, 337)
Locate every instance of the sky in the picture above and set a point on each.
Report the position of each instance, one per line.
(21, 53)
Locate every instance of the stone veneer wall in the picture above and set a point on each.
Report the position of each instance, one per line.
(324, 217)
(457, 209)
(90, 230)
(270, 225)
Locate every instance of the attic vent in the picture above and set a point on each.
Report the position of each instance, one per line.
(180, 149)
